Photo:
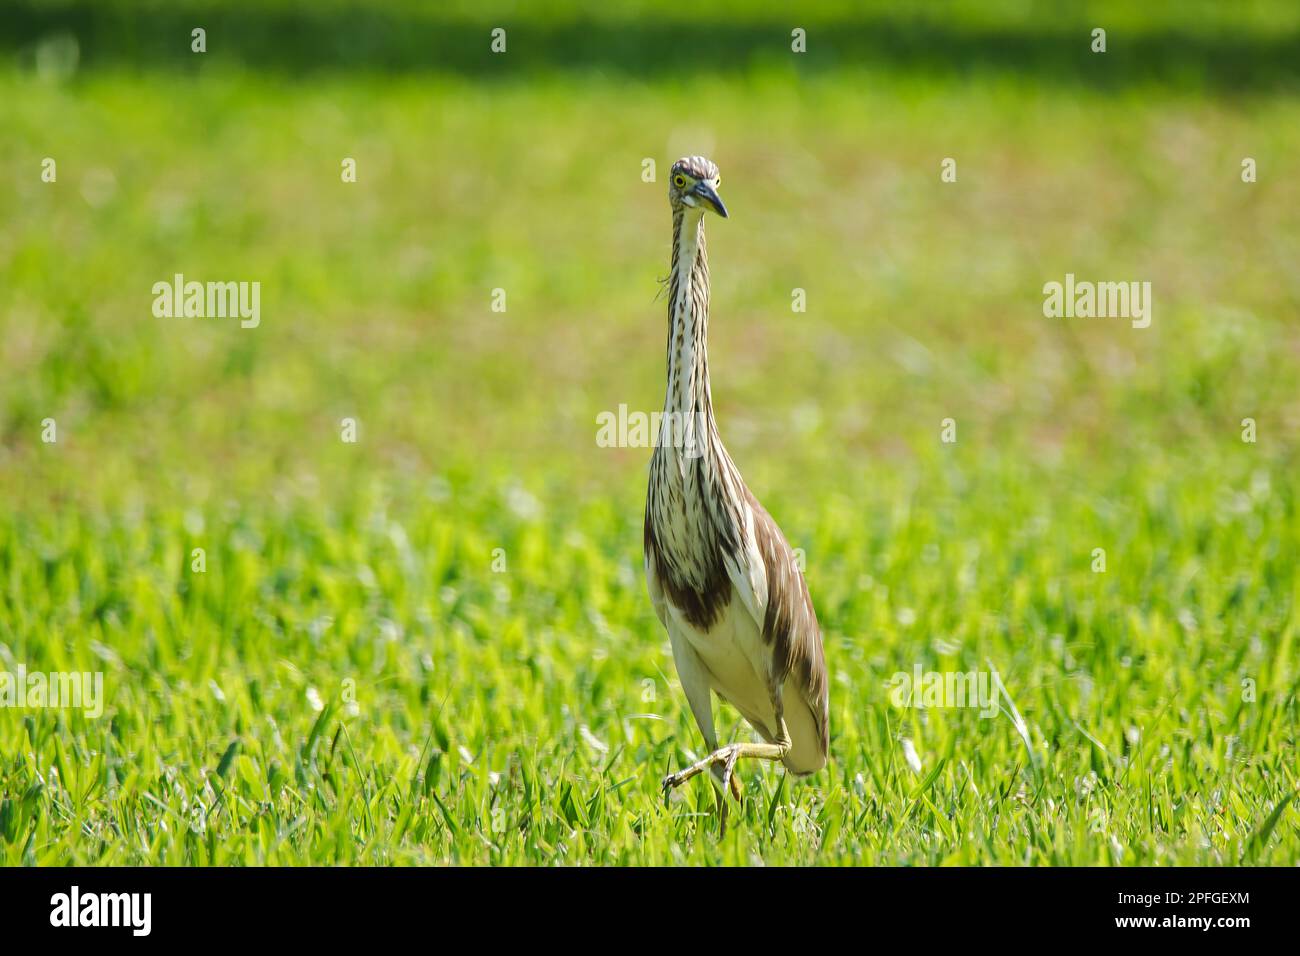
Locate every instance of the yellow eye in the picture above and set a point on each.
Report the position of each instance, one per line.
(679, 181)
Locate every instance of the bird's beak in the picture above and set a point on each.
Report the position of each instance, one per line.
(711, 198)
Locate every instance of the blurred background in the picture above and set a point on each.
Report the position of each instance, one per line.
(329, 561)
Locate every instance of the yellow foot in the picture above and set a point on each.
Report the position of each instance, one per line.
(725, 757)
(737, 788)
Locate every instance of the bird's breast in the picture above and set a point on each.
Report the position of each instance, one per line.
(686, 542)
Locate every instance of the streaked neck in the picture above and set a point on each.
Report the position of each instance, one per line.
(688, 394)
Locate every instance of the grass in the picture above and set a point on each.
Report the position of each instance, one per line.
(356, 677)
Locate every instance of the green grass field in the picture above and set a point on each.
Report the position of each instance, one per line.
(434, 645)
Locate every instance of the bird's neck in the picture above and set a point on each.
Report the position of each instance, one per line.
(688, 403)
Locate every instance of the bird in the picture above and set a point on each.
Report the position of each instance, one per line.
(722, 578)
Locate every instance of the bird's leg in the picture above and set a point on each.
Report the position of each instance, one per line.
(726, 757)
(721, 786)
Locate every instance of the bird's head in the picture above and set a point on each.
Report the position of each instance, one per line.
(693, 184)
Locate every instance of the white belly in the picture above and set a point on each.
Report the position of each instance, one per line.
(734, 653)
(736, 658)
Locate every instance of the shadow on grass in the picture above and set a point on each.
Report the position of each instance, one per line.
(348, 36)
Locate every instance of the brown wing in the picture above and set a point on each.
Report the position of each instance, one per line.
(790, 623)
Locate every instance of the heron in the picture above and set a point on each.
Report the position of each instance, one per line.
(721, 575)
